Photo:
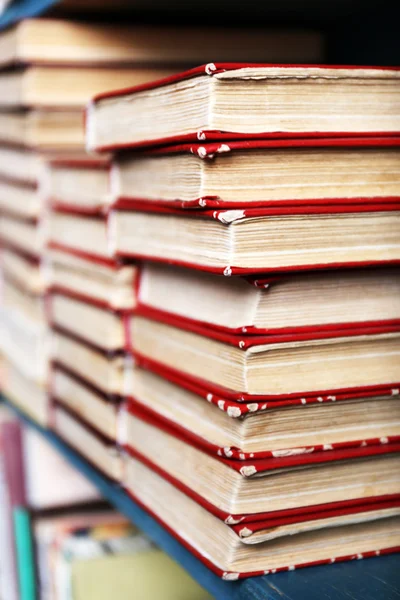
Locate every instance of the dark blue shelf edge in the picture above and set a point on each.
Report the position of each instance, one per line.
(22, 9)
(370, 579)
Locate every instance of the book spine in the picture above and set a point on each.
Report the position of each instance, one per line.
(25, 554)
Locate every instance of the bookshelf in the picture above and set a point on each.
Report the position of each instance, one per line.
(370, 579)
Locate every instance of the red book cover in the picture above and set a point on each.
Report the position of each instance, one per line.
(229, 217)
(205, 135)
(249, 467)
(244, 342)
(213, 151)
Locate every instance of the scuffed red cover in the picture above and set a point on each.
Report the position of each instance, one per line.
(94, 258)
(220, 394)
(213, 135)
(211, 151)
(244, 341)
(234, 576)
(251, 528)
(369, 445)
(298, 513)
(234, 335)
(227, 217)
(241, 406)
(56, 365)
(286, 459)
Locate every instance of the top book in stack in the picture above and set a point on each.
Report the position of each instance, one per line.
(242, 101)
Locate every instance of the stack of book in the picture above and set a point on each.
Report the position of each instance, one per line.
(91, 292)
(49, 70)
(264, 408)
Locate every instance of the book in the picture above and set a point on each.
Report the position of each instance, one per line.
(265, 172)
(97, 554)
(259, 240)
(56, 41)
(8, 570)
(228, 100)
(95, 407)
(97, 449)
(25, 553)
(20, 201)
(259, 486)
(103, 370)
(12, 489)
(221, 549)
(53, 87)
(89, 533)
(261, 433)
(80, 185)
(107, 283)
(25, 342)
(20, 165)
(90, 323)
(261, 368)
(28, 396)
(24, 269)
(26, 236)
(127, 575)
(287, 303)
(47, 131)
(82, 234)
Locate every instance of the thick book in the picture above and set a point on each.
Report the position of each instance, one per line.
(259, 240)
(25, 340)
(53, 87)
(285, 430)
(228, 554)
(96, 407)
(285, 303)
(25, 270)
(82, 185)
(96, 448)
(46, 131)
(267, 367)
(26, 236)
(28, 396)
(20, 164)
(251, 486)
(228, 101)
(81, 233)
(19, 200)
(89, 322)
(68, 42)
(245, 174)
(110, 284)
(103, 370)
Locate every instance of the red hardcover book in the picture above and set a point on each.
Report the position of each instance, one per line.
(259, 240)
(279, 430)
(264, 100)
(260, 369)
(253, 305)
(106, 283)
(236, 552)
(259, 174)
